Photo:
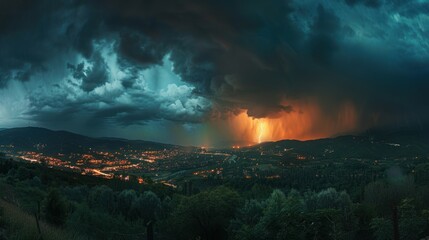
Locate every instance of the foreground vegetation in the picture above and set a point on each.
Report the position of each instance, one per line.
(41, 202)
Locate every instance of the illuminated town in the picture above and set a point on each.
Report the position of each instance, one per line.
(174, 164)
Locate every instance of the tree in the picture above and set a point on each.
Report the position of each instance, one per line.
(382, 228)
(386, 198)
(205, 215)
(146, 206)
(332, 213)
(325, 224)
(125, 201)
(6, 164)
(364, 215)
(56, 208)
(282, 216)
(411, 225)
(23, 173)
(102, 198)
(246, 225)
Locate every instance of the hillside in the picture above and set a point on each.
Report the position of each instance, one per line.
(48, 141)
(368, 145)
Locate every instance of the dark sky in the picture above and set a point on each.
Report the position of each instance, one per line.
(206, 71)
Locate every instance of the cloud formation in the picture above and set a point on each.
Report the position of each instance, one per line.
(115, 63)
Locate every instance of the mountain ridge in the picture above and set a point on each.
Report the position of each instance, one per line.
(26, 138)
(366, 144)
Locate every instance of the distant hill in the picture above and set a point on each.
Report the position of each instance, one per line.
(48, 141)
(371, 145)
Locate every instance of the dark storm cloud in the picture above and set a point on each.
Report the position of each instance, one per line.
(141, 50)
(323, 41)
(251, 56)
(254, 55)
(209, 40)
(412, 8)
(84, 110)
(92, 77)
(128, 115)
(408, 8)
(31, 34)
(368, 3)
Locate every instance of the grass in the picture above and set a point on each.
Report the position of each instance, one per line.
(20, 225)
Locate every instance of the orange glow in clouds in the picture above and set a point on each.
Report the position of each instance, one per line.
(307, 121)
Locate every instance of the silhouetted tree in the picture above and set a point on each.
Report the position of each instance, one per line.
(146, 206)
(103, 198)
(56, 208)
(205, 215)
(125, 201)
(246, 226)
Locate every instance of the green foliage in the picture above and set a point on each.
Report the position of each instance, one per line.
(125, 201)
(146, 206)
(6, 165)
(283, 216)
(383, 228)
(76, 194)
(21, 225)
(364, 215)
(104, 209)
(326, 224)
(102, 198)
(101, 225)
(411, 225)
(205, 215)
(383, 195)
(259, 191)
(245, 226)
(56, 208)
(324, 215)
(23, 173)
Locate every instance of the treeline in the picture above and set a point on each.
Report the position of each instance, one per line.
(391, 208)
